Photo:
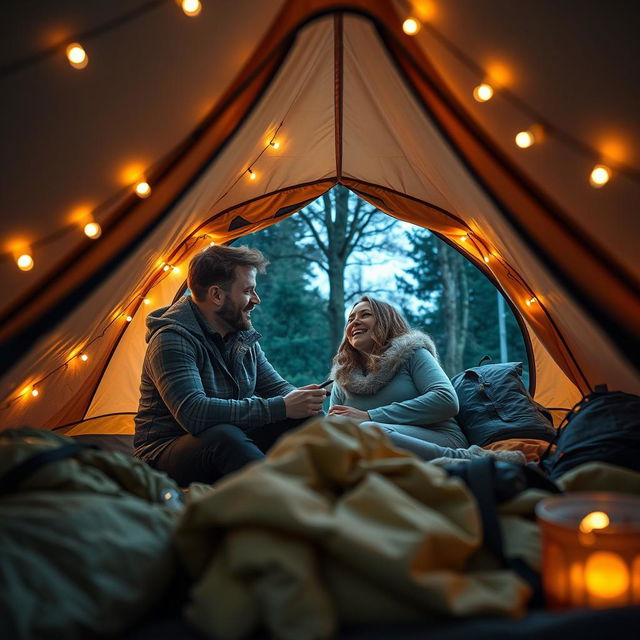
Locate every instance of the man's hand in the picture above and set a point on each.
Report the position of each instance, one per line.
(305, 401)
(349, 412)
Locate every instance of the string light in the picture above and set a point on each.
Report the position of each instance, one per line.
(252, 174)
(35, 393)
(530, 301)
(166, 267)
(146, 301)
(77, 56)
(483, 92)
(191, 8)
(600, 175)
(129, 318)
(92, 230)
(274, 144)
(143, 189)
(25, 262)
(464, 238)
(486, 259)
(411, 26)
(524, 139)
(84, 357)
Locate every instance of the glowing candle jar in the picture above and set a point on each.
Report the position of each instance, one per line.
(590, 550)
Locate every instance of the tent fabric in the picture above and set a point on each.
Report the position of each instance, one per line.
(354, 101)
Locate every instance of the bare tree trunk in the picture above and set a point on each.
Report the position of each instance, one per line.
(337, 261)
(450, 307)
(463, 330)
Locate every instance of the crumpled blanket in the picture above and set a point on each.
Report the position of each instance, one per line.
(337, 526)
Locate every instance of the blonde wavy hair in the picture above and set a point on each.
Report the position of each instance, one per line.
(389, 325)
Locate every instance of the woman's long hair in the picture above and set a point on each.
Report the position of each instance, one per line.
(389, 325)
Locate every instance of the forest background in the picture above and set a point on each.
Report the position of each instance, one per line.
(338, 248)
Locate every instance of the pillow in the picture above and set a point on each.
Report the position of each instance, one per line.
(495, 405)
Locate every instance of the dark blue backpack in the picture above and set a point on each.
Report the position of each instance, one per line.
(605, 427)
(495, 405)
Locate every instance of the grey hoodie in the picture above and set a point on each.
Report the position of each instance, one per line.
(193, 380)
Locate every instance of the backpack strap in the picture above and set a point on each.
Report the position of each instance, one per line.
(12, 479)
(479, 475)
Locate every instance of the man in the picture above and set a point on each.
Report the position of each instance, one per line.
(210, 402)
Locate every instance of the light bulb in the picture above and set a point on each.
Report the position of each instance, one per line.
(77, 56)
(252, 174)
(275, 144)
(142, 189)
(175, 270)
(483, 92)
(166, 267)
(129, 318)
(464, 238)
(212, 244)
(92, 230)
(146, 301)
(25, 262)
(35, 393)
(530, 301)
(486, 259)
(524, 139)
(600, 175)
(84, 357)
(411, 26)
(191, 8)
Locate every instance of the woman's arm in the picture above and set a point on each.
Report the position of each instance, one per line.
(437, 400)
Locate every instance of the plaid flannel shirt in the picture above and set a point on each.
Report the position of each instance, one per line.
(192, 380)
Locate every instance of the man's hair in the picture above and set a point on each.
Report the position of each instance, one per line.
(217, 266)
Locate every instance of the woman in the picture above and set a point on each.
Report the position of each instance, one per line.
(389, 375)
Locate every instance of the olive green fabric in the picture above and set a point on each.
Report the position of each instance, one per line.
(87, 542)
(335, 526)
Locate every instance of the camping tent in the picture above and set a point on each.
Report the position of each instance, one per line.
(191, 104)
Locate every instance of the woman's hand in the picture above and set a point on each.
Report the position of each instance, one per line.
(349, 412)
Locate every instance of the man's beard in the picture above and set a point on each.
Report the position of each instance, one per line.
(232, 315)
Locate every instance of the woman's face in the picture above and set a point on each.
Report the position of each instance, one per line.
(359, 327)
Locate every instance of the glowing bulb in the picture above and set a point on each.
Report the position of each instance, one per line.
(191, 7)
(25, 262)
(129, 318)
(483, 92)
(147, 301)
(143, 189)
(77, 56)
(525, 139)
(212, 244)
(84, 357)
(530, 301)
(486, 259)
(594, 520)
(411, 26)
(92, 230)
(600, 175)
(252, 174)
(464, 238)
(175, 269)
(275, 144)
(166, 267)
(35, 393)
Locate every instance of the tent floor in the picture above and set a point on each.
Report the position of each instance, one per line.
(586, 625)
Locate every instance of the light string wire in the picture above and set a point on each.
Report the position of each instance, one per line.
(536, 118)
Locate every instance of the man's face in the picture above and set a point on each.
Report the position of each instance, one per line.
(240, 299)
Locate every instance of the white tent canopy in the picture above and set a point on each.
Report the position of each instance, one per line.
(184, 103)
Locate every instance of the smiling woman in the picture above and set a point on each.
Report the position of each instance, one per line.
(389, 376)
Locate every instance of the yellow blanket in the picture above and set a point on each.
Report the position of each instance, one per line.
(338, 526)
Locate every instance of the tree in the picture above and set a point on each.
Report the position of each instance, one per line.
(457, 305)
(290, 316)
(340, 230)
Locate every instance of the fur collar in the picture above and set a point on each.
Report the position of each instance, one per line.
(399, 351)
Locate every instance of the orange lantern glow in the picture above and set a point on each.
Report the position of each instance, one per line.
(590, 550)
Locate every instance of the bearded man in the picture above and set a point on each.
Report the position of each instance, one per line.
(210, 401)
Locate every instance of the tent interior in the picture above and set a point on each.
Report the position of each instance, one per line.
(245, 113)
(191, 104)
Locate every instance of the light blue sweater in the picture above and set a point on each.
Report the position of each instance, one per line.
(408, 388)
